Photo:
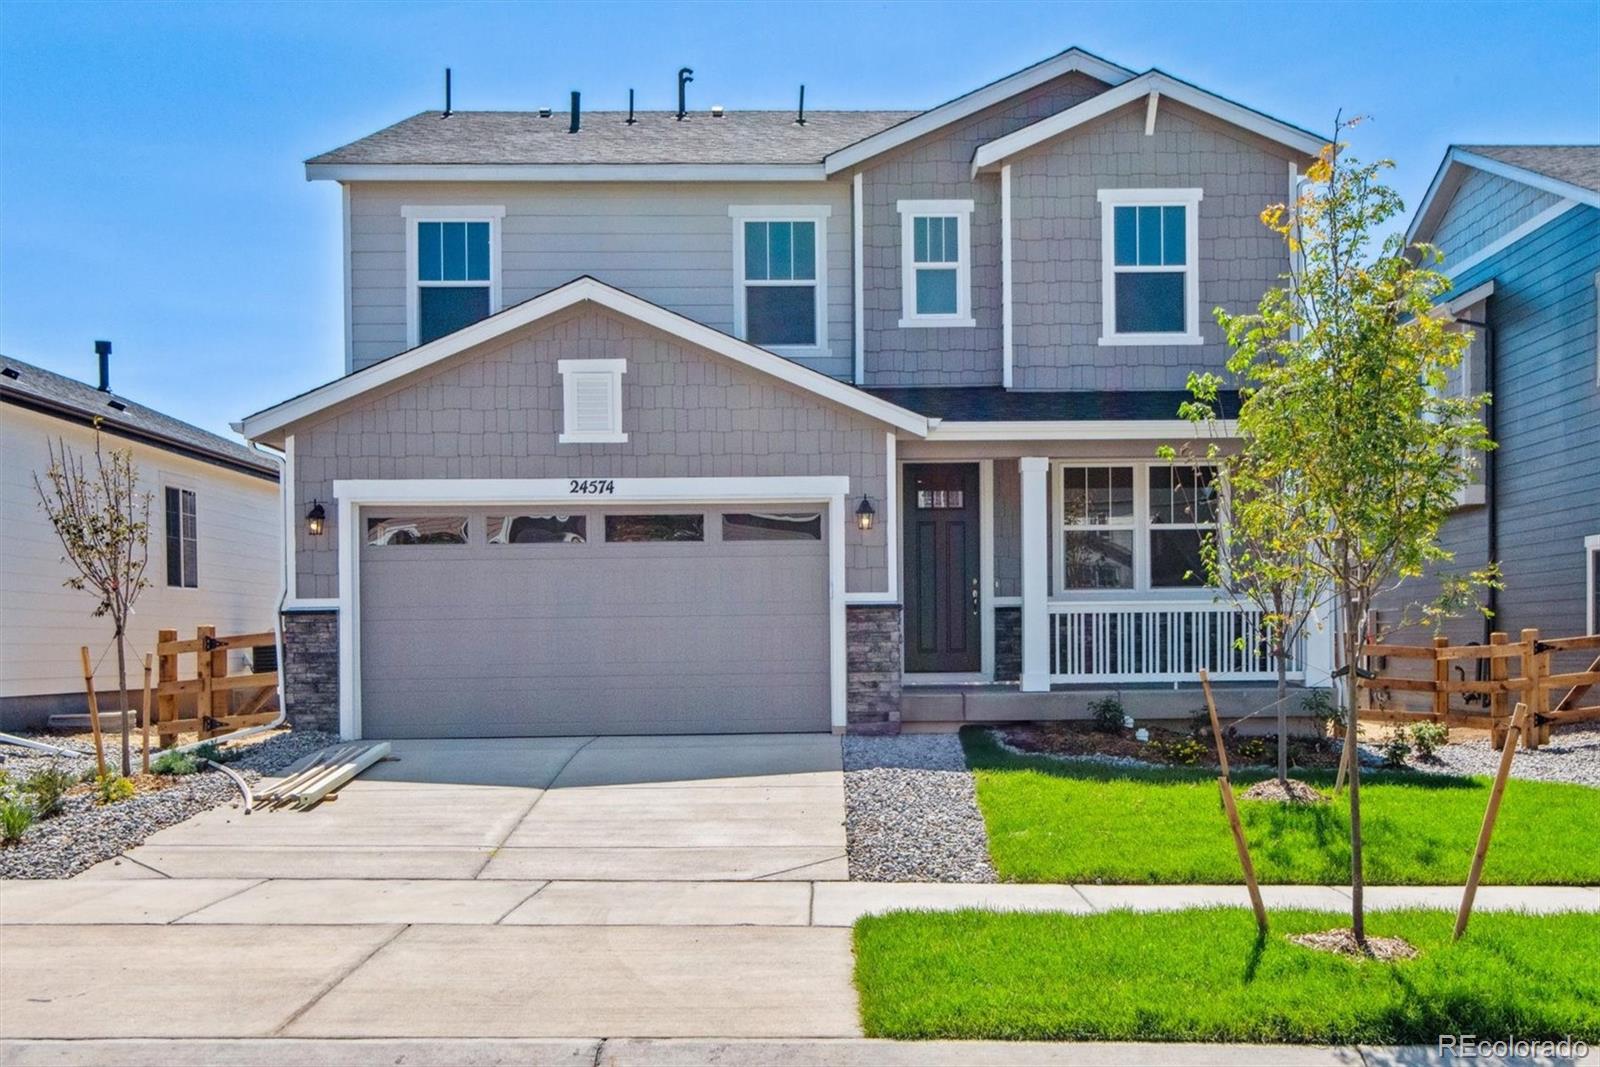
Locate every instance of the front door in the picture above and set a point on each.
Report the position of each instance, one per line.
(941, 552)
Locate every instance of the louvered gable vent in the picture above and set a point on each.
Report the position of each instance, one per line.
(592, 400)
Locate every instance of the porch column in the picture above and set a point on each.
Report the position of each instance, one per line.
(1035, 576)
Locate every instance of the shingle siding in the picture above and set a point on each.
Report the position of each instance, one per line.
(1483, 209)
(495, 412)
(1056, 265)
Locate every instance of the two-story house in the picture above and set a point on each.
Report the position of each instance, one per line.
(1519, 226)
(723, 421)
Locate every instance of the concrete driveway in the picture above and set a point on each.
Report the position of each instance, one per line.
(739, 808)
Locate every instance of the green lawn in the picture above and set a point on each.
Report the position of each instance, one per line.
(1203, 975)
(1057, 821)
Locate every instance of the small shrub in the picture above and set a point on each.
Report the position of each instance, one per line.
(1253, 750)
(48, 788)
(1426, 737)
(214, 752)
(1318, 703)
(112, 788)
(16, 815)
(1184, 750)
(175, 763)
(1396, 750)
(1107, 715)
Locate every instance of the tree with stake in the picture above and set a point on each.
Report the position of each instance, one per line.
(1346, 408)
(103, 522)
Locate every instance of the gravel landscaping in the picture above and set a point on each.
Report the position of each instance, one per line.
(85, 833)
(911, 811)
(1573, 755)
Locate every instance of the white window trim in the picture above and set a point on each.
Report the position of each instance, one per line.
(816, 213)
(910, 211)
(569, 369)
(1141, 527)
(1113, 198)
(1591, 549)
(171, 480)
(493, 214)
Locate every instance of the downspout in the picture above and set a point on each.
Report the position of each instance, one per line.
(1490, 483)
(277, 626)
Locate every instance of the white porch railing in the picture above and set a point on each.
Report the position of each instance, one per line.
(1155, 641)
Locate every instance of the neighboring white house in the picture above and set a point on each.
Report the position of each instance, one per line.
(215, 539)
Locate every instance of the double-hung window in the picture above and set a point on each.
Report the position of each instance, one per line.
(183, 539)
(452, 256)
(780, 276)
(1150, 283)
(936, 262)
(1134, 526)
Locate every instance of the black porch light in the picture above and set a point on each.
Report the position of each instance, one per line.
(864, 513)
(315, 518)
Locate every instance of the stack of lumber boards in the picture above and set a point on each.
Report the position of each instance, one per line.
(314, 778)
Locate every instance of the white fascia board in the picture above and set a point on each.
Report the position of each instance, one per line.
(1073, 430)
(994, 152)
(565, 172)
(1073, 59)
(510, 491)
(529, 311)
(1457, 157)
(1511, 237)
(1455, 305)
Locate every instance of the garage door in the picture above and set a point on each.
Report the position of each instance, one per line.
(525, 622)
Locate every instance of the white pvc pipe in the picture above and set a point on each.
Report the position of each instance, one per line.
(39, 746)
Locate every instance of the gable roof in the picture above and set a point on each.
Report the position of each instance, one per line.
(585, 288)
(1150, 83)
(1571, 172)
(37, 389)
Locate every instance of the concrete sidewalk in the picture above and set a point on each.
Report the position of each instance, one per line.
(654, 1052)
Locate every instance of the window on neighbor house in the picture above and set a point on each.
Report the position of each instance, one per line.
(183, 539)
(779, 276)
(1591, 548)
(1149, 271)
(936, 262)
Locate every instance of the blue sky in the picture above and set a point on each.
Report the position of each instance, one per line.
(151, 188)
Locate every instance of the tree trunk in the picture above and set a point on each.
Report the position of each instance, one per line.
(122, 691)
(1352, 644)
(1283, 717)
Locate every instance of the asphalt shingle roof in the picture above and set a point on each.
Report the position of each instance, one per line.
(38, 388)
(993, 403)
(522, 137)
(1577, 164)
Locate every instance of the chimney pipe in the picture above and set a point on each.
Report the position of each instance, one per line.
(447, 92)
(103, 350)
(800, 116)
(572, 126)
(631, 119)
(685, 75)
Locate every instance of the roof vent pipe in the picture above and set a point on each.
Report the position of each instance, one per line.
(800, 116)
(716, 111)
(103, 350)
(572, 127)
(685, 76)
(631, 119)
(446, 93)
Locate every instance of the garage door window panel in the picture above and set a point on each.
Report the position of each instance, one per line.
(636, 529)
(538, 529)
(769, 526)
(387, 531)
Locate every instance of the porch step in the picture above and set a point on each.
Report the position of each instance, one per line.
(1152, 706)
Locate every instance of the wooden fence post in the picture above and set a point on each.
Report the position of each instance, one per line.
(1497, 699)
(145, 715)
(203, 663)
(94, 710)
(166, 678)
(1532, 664)
(1441, 678)
(1519, 722)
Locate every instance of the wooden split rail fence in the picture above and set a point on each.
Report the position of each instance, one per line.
(1473, 685)
(213, 687)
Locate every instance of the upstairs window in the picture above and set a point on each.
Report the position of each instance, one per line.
(591, 393)
(454, 282)
(936, 262)
(183, 539)
(1149, 277)
(779, 271)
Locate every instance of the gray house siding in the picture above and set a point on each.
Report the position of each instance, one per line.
(939, 167)
(495, 412)
(669, 244)
(1484, 208)
(1056, 267)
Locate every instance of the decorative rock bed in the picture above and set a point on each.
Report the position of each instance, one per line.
(85, 833)
(1573, 755)
(911, 811)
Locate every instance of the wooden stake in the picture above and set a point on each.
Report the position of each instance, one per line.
(1244, 853)
(1216, 727)
(94, 710)
(145, 715)
(1519, 721)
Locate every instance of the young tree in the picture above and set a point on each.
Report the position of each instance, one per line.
(103, 521)
(1345, 404)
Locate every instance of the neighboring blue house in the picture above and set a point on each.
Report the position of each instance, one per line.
(1520, 229)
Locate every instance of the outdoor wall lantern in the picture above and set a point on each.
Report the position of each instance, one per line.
(314, 519)
(864, 513)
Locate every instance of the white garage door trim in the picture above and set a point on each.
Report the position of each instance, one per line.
(351, 495)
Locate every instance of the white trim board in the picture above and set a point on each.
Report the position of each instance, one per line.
(565, 172)
(1457, 157)
(994, 152)
(1509, 238)
(354, 494)
(1073, 430)
(265, 422)
(1591, 547)
(1073, 59)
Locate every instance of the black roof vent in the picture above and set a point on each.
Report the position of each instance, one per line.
(116, 405)
(12, 373)
(544, 112)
